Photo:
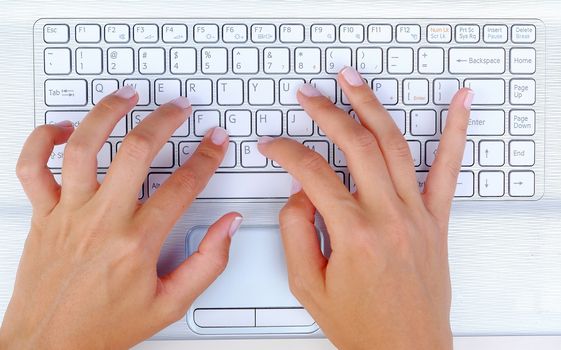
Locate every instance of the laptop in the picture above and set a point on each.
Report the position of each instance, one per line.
(242, 73)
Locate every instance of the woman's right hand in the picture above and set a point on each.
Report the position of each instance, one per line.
(386, 284)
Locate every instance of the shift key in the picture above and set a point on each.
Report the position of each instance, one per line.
(65, 92)
(473, 60)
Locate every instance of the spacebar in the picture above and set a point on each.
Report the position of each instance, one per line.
(237, 185)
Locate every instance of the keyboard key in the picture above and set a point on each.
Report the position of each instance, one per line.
(495, 34)
(102, 88)
(214, 60)
(117, 33)
(174, 33)
(276, 60)
(521, 183)
(369, 60)
(415, 149)
(408, 33)
(56, 33)
(491, 183)
(385, 90)
(288, 89)
(522, 91)
(522, 61)
(522, 153)
(431, 61)
(482, 122)
(415, 91)
(204, 121)
(89, 61)
(268, 122)
(337, 59)
(199, 91)
(238, 122)
(261, 91)
(76, 117)
(57, 61)
(522, 122)
(351, 33)
(487, 91)
(307, 60)
(245, 60)
(230, 91)
(476, 60)
(68, 92)
(444, 90)
(292, 317)
(142, 87)
(423, 122)
(205, 33)
(400, 60)
(166, 90)
(164, 158)
(432, 150)
(523, 34)
(439, 33)
(323, 33)
(145, 33)
(491, 153)
(263, 33)
(224, 317)
(234, 33)
(151, 60)
(251, 157)
(120, 61)
(380, 33)
(328, 87)
(398, 116)
(88, 33)
(321, 147)
(467, 33)
(291, 33)
(183, 60)
(464, 186)
(299, 123)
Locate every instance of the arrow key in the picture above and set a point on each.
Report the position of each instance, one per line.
(521, 183)
(491, 153)
(491, 183)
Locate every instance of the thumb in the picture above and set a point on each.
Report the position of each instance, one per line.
(183, 285)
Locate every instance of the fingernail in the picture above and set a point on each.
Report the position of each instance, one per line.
(65, 124)
(309, 90)
(218, 136)
(235, 225)
(181, 102)
(469, 99)
(265, 139)
(296, 186)
(352, 76)
(125, 92)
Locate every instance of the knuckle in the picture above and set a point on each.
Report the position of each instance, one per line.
(399, 147)
(76, 149)
(186, 180)
(362, 139)
(312, 161)
(137, 145)
(25, 171)
(110, 104)
(209, 153)
(218, 260)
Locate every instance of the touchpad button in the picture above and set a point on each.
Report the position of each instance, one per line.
(252, 295)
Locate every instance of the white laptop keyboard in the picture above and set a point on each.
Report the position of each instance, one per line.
(243, 74)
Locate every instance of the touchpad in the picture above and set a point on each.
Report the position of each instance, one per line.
(252, 295)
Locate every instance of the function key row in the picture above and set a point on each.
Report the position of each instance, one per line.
(290, 33)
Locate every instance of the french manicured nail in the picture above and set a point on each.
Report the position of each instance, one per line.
(218, 136)
(352, 76)
(181, 102)
(468, 99)
(235, 225)
(309, 90)
(265, 139)
(296, 186)
(65, 124)
(125, 92)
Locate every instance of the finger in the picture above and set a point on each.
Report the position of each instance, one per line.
(364, 158)
(79, 168)
(304, 259)
(378, 121)
(443, 176)
(176, 194)
(137, 151)
(183, 285)
(324, 188)
(37, 180)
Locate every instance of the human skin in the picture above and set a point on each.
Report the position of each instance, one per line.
(87, 277)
